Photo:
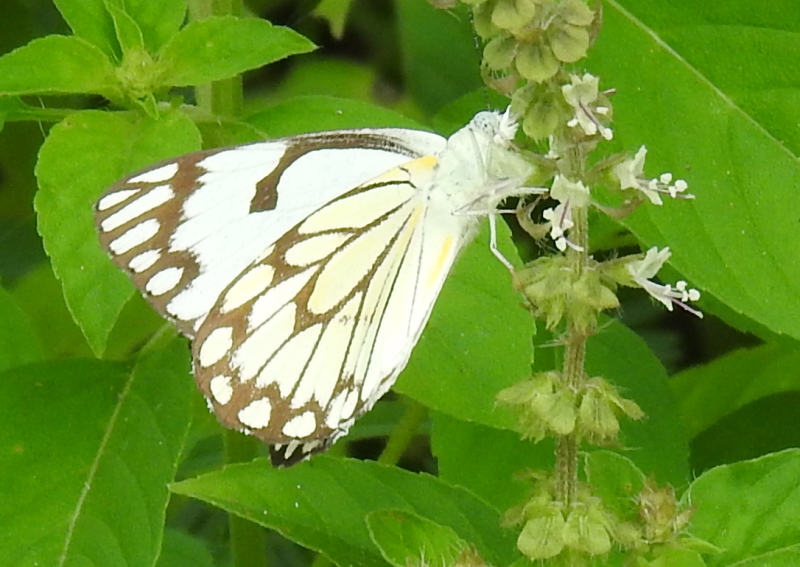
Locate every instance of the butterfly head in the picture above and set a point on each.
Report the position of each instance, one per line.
(500, 127)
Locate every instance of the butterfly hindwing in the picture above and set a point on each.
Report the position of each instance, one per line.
(309, 337)
(184, 229)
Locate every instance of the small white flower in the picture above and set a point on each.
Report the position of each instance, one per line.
(630, 174)
(642, 270)
(582, 96)
(566, 191)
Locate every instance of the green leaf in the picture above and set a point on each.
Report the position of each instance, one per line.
(321, 504)
(127, 30)
(90, 20)
(440, 60)
(220, 48)
(57, 64)
(476, 342)
(616, 480)
(316, 113)
(19, 343)
(159, 21)
(81, 157)
(407, 539)
(86, 451)
(709, 392)
(749, 510)
(697, 101)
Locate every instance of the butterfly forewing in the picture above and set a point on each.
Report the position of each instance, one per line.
(185, 229)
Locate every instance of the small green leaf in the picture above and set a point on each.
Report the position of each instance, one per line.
(616, 480)
(81, 157)
(86, 451)
(749, 510)
(127, 30)
(159, 21)
(19, 343)
(90, 20)
(57, 64)
(321, 504)
(405, 538)
(220, 48)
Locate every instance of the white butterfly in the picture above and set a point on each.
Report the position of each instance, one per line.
(305, 268)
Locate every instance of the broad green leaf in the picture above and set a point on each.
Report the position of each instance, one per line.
(709, 392)
(322, 504)
(440, 59)
(222, 47)
(86, 451)
(19, 343)
(407, 539)
(750, 510)
(90, 20)
(82, 156)
(476, 342)
(696, 101)
(57, 64)
(316, 113)
(486, 460)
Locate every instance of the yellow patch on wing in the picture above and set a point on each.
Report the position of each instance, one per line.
(441, 263)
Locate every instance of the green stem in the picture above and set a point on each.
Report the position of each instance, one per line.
(573, 368)
(404, 432)
(248, 544)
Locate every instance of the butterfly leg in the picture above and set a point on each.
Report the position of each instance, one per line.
(493, 243)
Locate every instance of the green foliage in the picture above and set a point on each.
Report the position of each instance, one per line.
(105, 461)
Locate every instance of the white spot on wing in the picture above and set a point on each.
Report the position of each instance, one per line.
(345, 270)
(349, 405)
(301, 425)
(158, 175)
(276, 297)
(251, 284)
(221, 389)
(164, 281)
(144, 261)
(263, 342)
(115, 198)
(334, 414)
(134, 237)
(257, 414)
(286, 367)
(138, 207)
(314, 249)
(323, 372)
(360, 209)
(217, 344)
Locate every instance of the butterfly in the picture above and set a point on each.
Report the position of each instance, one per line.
(304, 269)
